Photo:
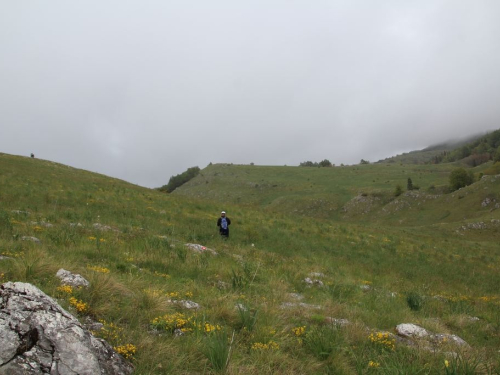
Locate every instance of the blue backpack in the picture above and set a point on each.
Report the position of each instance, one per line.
(223, 223)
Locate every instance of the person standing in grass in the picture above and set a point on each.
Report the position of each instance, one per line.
(223, 223)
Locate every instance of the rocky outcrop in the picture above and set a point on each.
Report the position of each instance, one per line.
(37, 336)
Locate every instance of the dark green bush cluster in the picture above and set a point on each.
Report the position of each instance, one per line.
(414, 301)
(460, 178)
(322, 163)
(180, 179)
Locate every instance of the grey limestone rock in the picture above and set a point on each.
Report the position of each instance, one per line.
(190, 305)
(291, 305)
(200, 248)
(314, 282)
(31, 239)
(43, 224)
(414, 331)
(337, 322)
(72, 279)
(37, 336)
(411, 330)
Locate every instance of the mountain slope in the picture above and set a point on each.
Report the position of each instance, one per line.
(129, 242)
(363, 193)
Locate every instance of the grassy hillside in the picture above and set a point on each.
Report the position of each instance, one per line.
(361, 193)
(312, 191)
(288, 224)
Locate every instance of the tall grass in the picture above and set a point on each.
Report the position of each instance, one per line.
(369, 263)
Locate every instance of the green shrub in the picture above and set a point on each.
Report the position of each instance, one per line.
(398, 191)
(322, 341)
(460, 178)
(238, 281)
(414, 301)
(247, 317)
(218, 350)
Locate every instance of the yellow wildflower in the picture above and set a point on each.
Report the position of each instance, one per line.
(127, 350)
(65, 289)
(271, 345)
(299, 331)
(80, 306)
(98, 269)
(373, 364)
(383, 339)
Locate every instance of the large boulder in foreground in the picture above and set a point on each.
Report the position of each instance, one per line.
(37, 336)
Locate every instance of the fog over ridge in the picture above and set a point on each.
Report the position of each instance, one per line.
(143, 90)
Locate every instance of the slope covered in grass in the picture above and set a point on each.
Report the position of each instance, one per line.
(361, 193)
(129, 242)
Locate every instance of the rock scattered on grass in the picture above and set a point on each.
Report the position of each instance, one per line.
(221, 285)
(316, 274)
(19, 212)
(104, 228)
(296, 296)
(337, 322)
(31, 239)
(72, 279)
(289, 305)
(413, 331)
(200, 248)
(42, 224)
(241, 307)
(190, 305)
(315, 282)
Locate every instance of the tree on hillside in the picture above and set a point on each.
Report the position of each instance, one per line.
(180, 179)
(496, 155)
(308, 164)
(363, 161)
(409, 185)
(398, 191)
(460, 178)
(478, 152)
(325, 163)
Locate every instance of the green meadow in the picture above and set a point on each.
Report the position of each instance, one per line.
(428, 257)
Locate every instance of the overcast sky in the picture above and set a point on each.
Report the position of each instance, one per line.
(142, 90)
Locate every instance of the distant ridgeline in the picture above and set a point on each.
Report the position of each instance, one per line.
(473, 152)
